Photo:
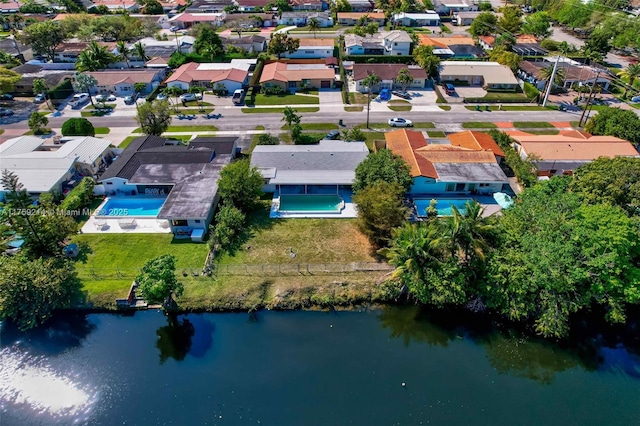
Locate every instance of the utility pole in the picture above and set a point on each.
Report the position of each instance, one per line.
(586, 107)
(550, 83)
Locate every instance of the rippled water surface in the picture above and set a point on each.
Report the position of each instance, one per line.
(313, 368)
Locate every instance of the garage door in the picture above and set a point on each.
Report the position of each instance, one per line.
(325, 85)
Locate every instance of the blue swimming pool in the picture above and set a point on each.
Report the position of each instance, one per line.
(443, 205)
(310, 203)
(136, 207)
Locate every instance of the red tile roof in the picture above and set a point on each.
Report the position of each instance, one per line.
(279, 71)
(477, 141)
(188, 73)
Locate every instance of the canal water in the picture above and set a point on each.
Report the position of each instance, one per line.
(314, 368)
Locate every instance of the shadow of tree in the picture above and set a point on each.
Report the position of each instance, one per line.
(258, 220)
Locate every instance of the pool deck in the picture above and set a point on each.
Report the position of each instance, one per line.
(487, 202)
(119, 226)
(348, 212)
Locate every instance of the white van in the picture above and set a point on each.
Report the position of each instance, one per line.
(238, 97)
(79, 99)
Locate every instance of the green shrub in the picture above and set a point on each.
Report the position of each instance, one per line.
(267, 139)
(78, 127)
(524, 169)
(229, 223)
(61, 91)
(80, 196)
(531, 91)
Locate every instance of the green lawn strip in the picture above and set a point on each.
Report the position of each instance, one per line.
(533, 125)
(544, 132)
(45, 131)
(358, 98)
(575, 124)
(436, 134)
(424, 125)
(314, 126)
(513, 108)
(308, 138)
(353, 108)
(478, 125)
(445, 107)
(100, 106)
(262, 100)
(372, 137)
(125, 143)
(1, 131)
(399, 105)
(93, 113)
(192, 111)
(196, 104)
(275, 110)
(102, 130)
(371, 125)
(636, 106)
(195, 128)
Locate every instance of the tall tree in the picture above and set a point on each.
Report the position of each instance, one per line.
(511, 20)
(85, 83)
(154, 117)
(8, 80)
(206, 38)
(157, 281)
(484, 24)
(94, 57)
(44, 38)
(37, 123)
(141, 52)
(369, 82)
(174, 91)
(40, 87)
(424, 57)
(240, 185)
(123, 52)
(281, 43)
(537, 24)
(631, 73)
(314, 26)
(616, 122)
(404, 78)
(382, 166)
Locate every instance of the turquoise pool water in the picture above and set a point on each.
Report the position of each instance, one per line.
(138, 207)
(310, 203)
(443, 205)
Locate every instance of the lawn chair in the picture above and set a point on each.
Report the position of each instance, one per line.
(100, 224)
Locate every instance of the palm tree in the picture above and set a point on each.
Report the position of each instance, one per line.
(404, 78)
(85, 83)
(631, 73)
(141, 52)
(94, 57)
(468, 233)
(211, 51)
(314, 26)
(123, 52)
(369, 82)
(558, 80)
(175, 92)
(40, 87)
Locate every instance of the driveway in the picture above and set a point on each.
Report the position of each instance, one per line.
(421, 96)
(463, 92)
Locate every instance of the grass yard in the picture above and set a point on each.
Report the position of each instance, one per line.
(102, 130)
(445, 107)
(424, 125)
(372, 137)
(533, 125)
(575, 124)
(196, 104)
(354, 108)
(198, 128)
(100, 106)
(308, 138)
(436, 134)
(371, 124)
(314, 126)
(1, 131)
(262, 100)
(544, 132)
(399, 105)
(358, 98)
(276, 110)
(478, 125)
(125, 143)
(514, 108)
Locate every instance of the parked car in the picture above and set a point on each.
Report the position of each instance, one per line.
(79, 99)
(5, 112)
(111, 98)
(174, 29)
(635, 99)
(39, 98)
(6, 97)
(131, 99)
(161, 97)
(238, 97)
(401, 94)
(400, 122)
(449, 89)
(332, 135)
(101, 98)
(190, 97)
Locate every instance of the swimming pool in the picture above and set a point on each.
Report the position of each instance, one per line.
(311, 203)
(131, 207)
(443, 205)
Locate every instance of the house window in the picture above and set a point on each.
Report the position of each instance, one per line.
(109, 183)
(483, 185)
(395, 44)
(197, 221)
(310, 52)
(450, 187)
(292, 85)
(179, 223)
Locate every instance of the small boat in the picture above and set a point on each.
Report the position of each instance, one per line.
(504, 200)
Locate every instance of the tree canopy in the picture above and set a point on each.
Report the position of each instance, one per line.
(154, 117)
(8, 80)
(382, 165)
(484, 24)
(240, 185)
(537, 24)
(78, 126)
(157, 281)
(44, 37)
(206, 39)
(616, 122)
(281, 43)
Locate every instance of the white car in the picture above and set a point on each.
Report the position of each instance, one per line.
(190, 97)
(111, 98)
(635, 99)
(161, 97)
(399, 122)
(101, 98)
(79, 99)
(39, 98)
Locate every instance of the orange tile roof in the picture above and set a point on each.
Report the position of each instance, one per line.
(312, 42)
(477, 141)
(444, 42)
(524, 38)
(490, 40)
(404, 142)
(279, 71)
(569, 146)
(190, 72)
(455, 154)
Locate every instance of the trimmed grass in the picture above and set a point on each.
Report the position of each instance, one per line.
(1, 131)
(424, 125)
(309, 138)
(371, 124)
(371, 137)
(532, 125)
(199, 128)
(358, 98)
(436, 134)
(102, 130)
(478, 125)
(99, 105)
(399, 105)
(260, 127)
(445, 107)
(314, 126)
(275, 110)
(262, 100)
(354, 108)
(195, 104)
(575, 124)
(544, 132)
(513, 108)
(125, 143)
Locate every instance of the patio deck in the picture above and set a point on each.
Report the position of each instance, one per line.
(113, 226)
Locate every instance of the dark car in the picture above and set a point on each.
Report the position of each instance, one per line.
(401, 94)
(6, 97)
(332, 135)
(5, 112)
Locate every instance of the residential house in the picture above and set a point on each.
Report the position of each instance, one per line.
(388, 74)
(392, 43)
(490, 75)
(318, 5)
(575, 73)
(452, 47)
(16, 49)
(70, 51)
(528, 45)
(186, 175)
(115, 5)
(169, 5)
(290, 76)
(450, 7)
(30, 72)
(9, 7)
(313, 48)
(203, 75)
(121, 83)
(352, 18)
(328, 167)
(44, 167)
(208, 6)
(477, 141)
(565, 152)
(252, 5)
(442, 168)
(428, 18)
(362, 5)
(464, 18)
(251, 44)
(164, 48)
(247, 20)
(187, 20)
(302, 18)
